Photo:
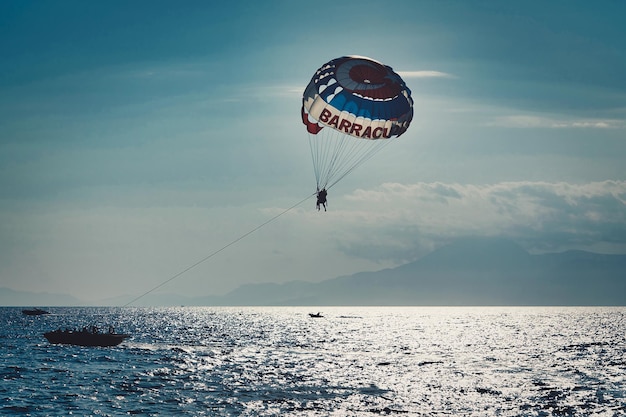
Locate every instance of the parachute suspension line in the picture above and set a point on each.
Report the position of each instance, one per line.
(369, 154)
(353, 155)
(315, 158)
(336, 155)
(336, 149)
(324, 147)
(212, 254)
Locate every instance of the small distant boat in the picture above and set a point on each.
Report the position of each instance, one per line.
(35, 312)
(86, 337)
(315, 315)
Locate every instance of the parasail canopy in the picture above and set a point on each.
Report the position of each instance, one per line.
(350, 105)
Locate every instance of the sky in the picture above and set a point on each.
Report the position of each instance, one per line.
(137, 138)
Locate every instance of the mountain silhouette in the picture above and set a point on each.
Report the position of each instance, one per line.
(471, 271)
(10, 297)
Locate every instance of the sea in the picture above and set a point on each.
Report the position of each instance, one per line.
(353, 361)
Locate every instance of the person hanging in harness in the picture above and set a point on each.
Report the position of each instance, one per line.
(321, 198)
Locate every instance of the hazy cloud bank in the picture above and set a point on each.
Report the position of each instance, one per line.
(399, 222)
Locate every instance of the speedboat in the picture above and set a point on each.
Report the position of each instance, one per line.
(86, 337)
(35, 312)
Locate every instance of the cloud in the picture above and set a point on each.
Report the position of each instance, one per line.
(530, 121)
(399, 222)
(425, 74)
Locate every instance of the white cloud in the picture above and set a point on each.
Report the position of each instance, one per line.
(531, 121)
(398, 222)
(425, 74)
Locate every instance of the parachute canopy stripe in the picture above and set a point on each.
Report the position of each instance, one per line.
(359, 97)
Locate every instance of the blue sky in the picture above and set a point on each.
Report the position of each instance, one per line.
(138, 137)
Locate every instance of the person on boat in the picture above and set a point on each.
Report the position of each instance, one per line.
(321, 198)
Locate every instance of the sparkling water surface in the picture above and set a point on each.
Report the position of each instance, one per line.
(355, 361)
